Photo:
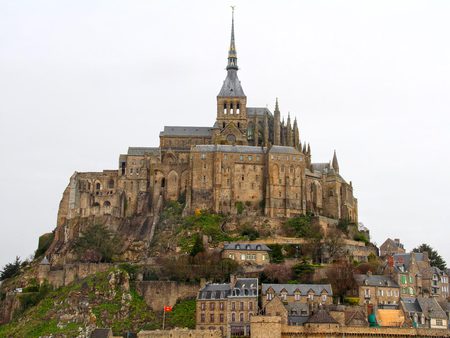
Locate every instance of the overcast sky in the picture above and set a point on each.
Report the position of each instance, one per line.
(80, 81)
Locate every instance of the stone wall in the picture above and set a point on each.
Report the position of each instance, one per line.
(180, 333)
(270, 326)
(71, 272)
(7, 307)
(158, 294)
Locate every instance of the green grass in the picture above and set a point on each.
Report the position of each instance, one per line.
(182, 315)
(42, 319)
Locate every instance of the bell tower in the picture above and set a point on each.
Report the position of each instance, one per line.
(231, 120)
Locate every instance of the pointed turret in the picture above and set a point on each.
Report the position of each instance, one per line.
(276, 125)
(335, 163)
(266, 130)
(296, 136)
(309, 150)
(289, 134)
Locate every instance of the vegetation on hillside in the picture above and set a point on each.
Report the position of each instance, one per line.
(44, 243)
(97, 244)
(182, 315)
(102, 300)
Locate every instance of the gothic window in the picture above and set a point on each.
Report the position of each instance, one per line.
(98, 186)
(223, 125)
(111, 184)
(231, 138)
(107, 204)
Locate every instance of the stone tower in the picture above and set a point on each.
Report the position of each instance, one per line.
(276, 125)
(231, 121)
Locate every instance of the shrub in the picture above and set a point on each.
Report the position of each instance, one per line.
(301, 226)
(150, 275)
(303, 272)
(97, 244)
(239, 207)
(28, 300)
(361, 237)
(182, 315)
(276, 253)
(131, 269)
(351, 300)
(251, 233)
(198, 246)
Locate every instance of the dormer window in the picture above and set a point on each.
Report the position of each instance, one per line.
(238, 247)
(258, 247)
(248, 247)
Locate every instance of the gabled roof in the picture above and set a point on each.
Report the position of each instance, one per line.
(140, 151)
(375, 280)
(258, 111)
(304, 288)
(428, 306)
(246, 246)
(321, 317)
(186, 131)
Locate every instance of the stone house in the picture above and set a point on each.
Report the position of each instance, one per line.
(227, 307)
(377, 290)
(290, 313)
(247, 253)
(425, 312)
(391, 247)
(322, 319)
(314, 295)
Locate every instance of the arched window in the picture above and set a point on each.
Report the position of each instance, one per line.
(98, 186)
(241, 317)
(111, 184)
(233, 317)
(107, 204)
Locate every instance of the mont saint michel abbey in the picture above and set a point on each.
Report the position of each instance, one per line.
(248, 157)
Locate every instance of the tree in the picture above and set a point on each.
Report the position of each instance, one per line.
(435, 259)
(276, 255)
(11, 269)
(333, 245)
(340, 275)
(198, 246)
(97, 244)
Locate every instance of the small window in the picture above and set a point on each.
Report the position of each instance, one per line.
(98, 186)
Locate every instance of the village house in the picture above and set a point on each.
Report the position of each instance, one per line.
(311, 294)
(425, 312)
(391, 247)
(377, 290)
(227, 307)
(247, 253)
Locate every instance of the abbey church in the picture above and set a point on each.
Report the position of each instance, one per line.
(248, 159)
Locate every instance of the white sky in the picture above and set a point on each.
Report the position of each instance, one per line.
(80, 81)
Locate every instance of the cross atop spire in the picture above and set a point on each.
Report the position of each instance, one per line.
(232, 56)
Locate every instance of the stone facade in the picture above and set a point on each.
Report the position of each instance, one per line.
(247, 158)
(227, 307)
(247, 253)
(377, 290)
(180, 333)
(391, 247)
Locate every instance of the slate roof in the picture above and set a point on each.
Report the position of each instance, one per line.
(320, 166)
(140, 151)
(375, 280)
(246, 246)
(321, 317)
(428, 306)
(45, 261)
(258, 111)
(250, 284)
(231, 86)
(215, 291)
(284, 150)
(101, 333)
(297, 308)
(186, 131)
(211, 148)
(304, 288)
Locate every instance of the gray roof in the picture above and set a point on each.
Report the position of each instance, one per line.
(211, 148)
(303, 288)
(428, 306)
(186, 131)
(297, 307)
(431, 308)
(321, 317)
(140, 151)
(320, 166)
(375, 280)
(215, 291)
(231, 86)
(45, 261)
(284, 150)
(258, 111)
(404, 259)
(249, 284)
(246, 246)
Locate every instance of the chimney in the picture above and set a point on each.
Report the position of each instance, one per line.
(202, 283)
(369, 273)
(397, 241)
(425, 257)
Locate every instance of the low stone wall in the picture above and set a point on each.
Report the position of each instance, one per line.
(158, 294)
(270, 326)
(72, 272)
(180, 333)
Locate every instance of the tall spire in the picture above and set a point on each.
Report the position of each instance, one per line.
(232, 56)
(335, 163)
